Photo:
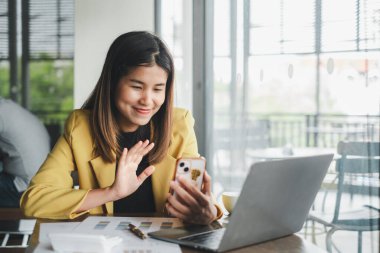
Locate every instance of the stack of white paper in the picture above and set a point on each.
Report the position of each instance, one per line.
(112, 234)
(74, 242)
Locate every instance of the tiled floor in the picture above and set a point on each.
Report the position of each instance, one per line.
(346, 241)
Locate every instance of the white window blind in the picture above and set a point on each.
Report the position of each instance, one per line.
(51, 29)
(358, 24)
(292, 26)
(275, 29)
(4, 30)
(369, 25)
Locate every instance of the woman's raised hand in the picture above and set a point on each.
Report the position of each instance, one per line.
(126, 180)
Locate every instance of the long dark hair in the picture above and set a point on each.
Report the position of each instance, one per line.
(127, 52)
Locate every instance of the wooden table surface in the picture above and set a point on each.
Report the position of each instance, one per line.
(292, 243)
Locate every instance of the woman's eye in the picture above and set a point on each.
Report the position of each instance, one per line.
(136, 87)
(158, 90)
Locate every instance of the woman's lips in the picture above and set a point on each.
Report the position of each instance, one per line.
(142, 111)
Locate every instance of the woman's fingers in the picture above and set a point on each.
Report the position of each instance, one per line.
(206, 189)
(134, 151)
(193, 191)
(174, 212)
(145, 148)
(123, 158)
(145, 174)
(138, 151)
(191, 204)
(183, 195)
(178, 205)
(148, 148)
(127, 181)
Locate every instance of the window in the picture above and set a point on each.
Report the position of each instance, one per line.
(283, 67)
(176, 31)
(294, 73)
(4, 51)
(36, 58)
(42, 35)
(291, 71)
(51, 52)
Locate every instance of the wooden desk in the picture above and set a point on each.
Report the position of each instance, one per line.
(292, 243)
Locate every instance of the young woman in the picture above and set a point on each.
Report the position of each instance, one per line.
(124, 143)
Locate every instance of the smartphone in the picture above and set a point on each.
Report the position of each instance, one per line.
(192, 169)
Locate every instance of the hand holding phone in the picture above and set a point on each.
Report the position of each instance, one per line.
(191, 169)
(191, 206)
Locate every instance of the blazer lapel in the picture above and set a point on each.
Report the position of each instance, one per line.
(105, 175)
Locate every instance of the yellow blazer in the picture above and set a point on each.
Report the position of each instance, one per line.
(51, 194)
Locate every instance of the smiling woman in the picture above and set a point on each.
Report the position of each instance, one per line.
(124, 143)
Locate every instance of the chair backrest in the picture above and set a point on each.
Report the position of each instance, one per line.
(258, 134)
(357, 159)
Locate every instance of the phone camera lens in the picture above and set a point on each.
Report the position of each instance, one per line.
(182, 164)
(186, 169)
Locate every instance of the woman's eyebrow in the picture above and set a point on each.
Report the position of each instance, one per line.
(141, 82)
(136, 81)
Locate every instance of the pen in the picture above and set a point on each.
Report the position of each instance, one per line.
(140, 234)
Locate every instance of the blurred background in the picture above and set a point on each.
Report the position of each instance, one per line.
(264, 79)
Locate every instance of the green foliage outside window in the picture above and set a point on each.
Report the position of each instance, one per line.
(51, 86)
(50, 90)
(4, 80)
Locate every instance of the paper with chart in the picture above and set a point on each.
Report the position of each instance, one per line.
(118, 226)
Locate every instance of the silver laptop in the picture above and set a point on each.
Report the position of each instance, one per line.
(274, 202)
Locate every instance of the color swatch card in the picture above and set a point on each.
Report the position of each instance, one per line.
(119, 226)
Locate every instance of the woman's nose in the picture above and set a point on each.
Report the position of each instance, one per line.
(146, 97)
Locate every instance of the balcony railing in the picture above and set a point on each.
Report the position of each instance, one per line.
(236, 139)
(271, 130)
(299, 130)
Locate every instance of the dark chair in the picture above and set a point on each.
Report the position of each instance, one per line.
(359, 160)
(54, 130)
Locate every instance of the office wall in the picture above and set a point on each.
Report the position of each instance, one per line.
(97, 24)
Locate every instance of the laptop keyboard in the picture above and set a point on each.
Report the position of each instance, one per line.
(211, 239)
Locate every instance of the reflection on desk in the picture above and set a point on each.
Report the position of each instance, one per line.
(282, 153)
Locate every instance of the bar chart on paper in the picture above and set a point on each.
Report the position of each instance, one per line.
(112, 224)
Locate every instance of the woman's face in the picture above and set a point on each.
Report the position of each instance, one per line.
(139, 95)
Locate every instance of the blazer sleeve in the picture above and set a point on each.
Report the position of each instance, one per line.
(50, 193)
(191, 149)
